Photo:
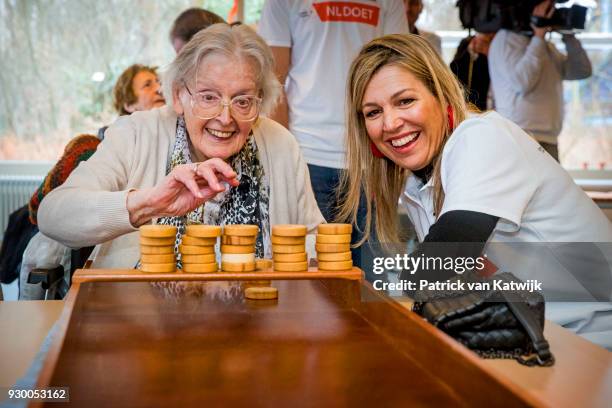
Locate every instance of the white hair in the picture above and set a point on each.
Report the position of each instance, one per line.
(238, 41)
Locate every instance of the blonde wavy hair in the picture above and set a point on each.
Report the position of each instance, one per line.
(381, 180)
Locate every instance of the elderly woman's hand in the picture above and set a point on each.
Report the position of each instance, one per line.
(185, 188)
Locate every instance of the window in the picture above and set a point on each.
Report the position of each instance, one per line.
(61, 60)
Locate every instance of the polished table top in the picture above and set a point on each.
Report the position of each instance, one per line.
(23, 325)
(581, 368)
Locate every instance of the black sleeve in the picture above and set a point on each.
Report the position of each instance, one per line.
(455, 234)
(462, 226)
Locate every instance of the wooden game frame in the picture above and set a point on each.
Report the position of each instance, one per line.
(463, 371)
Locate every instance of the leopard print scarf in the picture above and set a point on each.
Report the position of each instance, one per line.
(248, 203)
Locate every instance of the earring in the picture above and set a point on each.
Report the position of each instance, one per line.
(375, 151)
(451, 119)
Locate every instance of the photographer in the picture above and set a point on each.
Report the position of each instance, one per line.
(527, 74)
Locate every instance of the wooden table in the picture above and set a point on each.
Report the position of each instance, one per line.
(23, 326)
(581, 376)
(326, 351)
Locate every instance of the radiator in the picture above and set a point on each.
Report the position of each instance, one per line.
(15, 192)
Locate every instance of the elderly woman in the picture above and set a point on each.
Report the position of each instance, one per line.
(136, 89)
(209, 158)
(466, 177)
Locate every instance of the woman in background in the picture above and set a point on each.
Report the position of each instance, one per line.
(136, 89)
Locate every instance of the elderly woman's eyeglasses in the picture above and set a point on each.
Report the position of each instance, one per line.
(207, 105)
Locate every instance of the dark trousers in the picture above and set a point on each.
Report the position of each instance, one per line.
(325, 181)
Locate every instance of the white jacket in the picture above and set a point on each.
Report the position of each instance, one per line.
(90, 207)
(527, 79)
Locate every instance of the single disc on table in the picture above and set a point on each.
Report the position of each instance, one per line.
(260, 293)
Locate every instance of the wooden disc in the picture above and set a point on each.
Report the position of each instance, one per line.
(158, 268)
(157, 231)
(203, 231)
(237, 249)
(200, 267)
(334, 239)
(187, 240)
(334, 229)
(261, 293)
(198, 259)
(334, 256)
(234, 240)
(336, 266)
(333, 247)
(288, 249)
(156, 250)
(263, 264)
(238, 258)
(196, 250)
(289, 230)
(156, 259)
(241, 230)
(157, 241)
(237, 267)
(297, 257)
(288, 240)
(291, 266)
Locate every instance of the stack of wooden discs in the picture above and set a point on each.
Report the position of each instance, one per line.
(334, 247)
(289, 248)
(157, 248)
(198, 248)
(238, 248)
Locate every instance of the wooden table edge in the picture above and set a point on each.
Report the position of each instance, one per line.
(134, 275)
(529, 397)
(50, 361)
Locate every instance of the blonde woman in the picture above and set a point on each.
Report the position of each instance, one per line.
(462, 176)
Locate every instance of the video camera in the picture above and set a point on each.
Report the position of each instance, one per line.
(491, 15)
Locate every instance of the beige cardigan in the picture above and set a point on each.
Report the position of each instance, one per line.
(90, 207)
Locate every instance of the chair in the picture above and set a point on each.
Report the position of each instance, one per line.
(52, 279)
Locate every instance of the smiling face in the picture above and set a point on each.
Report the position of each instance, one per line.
(227, 77)
(402, 117)
(145, 86)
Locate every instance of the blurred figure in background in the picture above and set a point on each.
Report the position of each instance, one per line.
(190, 22)
(137, 89)
(470, 65)
(527, 74)
(413, 11)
